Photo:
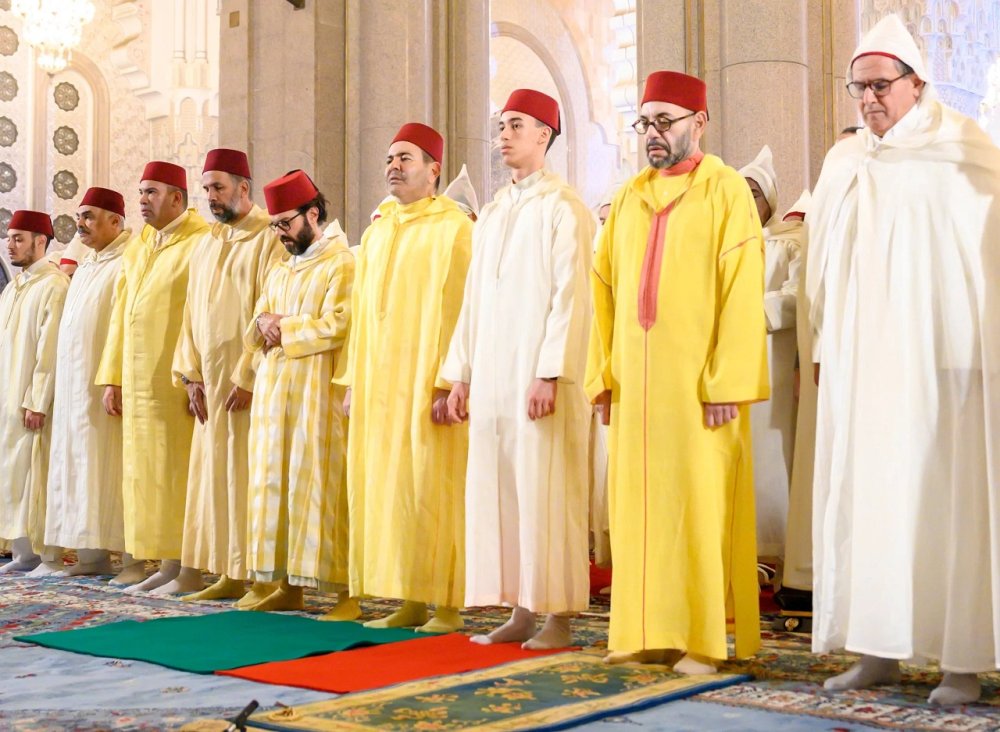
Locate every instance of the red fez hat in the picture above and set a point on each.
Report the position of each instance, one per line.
(289, 192)
(104, 198)
(540, 106)
(172, 175)
(228, 161)
(426, 138)
(676, 88)
(33, 221)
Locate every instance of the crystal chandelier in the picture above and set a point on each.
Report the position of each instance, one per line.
(53, 28)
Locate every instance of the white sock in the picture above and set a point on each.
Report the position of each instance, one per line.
(555, 633)
(868, 671)
(692, 667)
(956, 689)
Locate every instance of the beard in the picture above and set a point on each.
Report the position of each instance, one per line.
(224, 213)
(297, 245)
(680, 151)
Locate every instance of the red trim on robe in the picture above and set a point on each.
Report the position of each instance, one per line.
(66, 261)
(649, 279)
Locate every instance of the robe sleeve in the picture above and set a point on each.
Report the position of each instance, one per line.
(452, 294)
(253, 341)
(38, 397)
(109, 371)
(304, 335)
(343, 371)
(736, 371)
(598, 378)
(779, 305)
(457, 366)
(245, 372)
(187, 359)
(573, 237)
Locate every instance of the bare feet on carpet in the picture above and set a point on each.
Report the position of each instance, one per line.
(347, 608)
(520, 628)
(411, 615)
(445, 620)
(868, 671)
(956, 689)
(555, 633)
(226, 588)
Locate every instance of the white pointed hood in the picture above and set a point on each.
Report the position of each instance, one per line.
(762, 171)
(889, 37)
(461, 192)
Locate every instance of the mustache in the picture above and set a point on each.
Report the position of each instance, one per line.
(656, 145)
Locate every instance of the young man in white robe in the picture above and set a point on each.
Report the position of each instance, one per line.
(84, 505)
(773, 421)
(903, 278)
(516, 364)
(30, 309)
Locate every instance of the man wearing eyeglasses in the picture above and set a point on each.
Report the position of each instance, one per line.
(677, 354)
(297, 492)
(135, 371)
(903, 276)
(230, 265)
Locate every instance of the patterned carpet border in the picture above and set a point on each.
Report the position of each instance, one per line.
(551, 693)
(788, 679)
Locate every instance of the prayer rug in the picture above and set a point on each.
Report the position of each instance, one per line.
(788, 678)
(374, 668)
(554, 692)
(226, 640)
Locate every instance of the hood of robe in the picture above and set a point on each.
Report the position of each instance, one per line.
(761, 170)
(889, 37)
(461, 192)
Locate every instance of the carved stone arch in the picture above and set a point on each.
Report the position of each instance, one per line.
(522, 35)
(101, 118)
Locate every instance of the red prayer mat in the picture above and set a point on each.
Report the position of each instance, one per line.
(379, 666)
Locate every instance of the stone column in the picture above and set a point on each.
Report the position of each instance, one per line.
(764, 63)
(326, 87)
(281, 90)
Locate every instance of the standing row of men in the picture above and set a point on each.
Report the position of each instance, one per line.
(432, 322)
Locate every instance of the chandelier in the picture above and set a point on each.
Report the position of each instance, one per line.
(53, 28)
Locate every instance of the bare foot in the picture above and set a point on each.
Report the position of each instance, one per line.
(520, 628)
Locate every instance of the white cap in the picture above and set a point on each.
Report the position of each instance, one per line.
(761, 170)
(461, 192)
(889, 37)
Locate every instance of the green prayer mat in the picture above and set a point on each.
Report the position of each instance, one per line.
(204, 644)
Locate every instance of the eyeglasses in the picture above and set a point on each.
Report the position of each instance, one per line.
(284, 224)
(879, 87)
(660, 123)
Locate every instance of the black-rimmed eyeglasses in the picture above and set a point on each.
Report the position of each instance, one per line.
(284, 224)
(661, 123)
(879, 87)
